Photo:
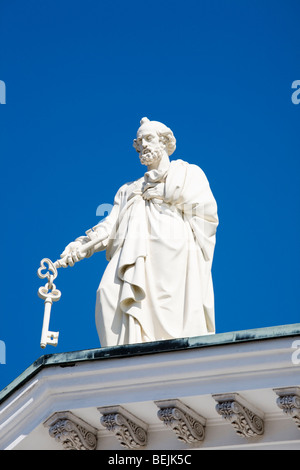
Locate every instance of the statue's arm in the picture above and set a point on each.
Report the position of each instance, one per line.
(96, 239)
(154, 191)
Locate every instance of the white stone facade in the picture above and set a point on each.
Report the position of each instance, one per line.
(226, 391)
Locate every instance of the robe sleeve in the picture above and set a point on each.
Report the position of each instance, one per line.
(109, 223)
(106, 227)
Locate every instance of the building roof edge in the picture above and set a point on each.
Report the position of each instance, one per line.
(69, 359)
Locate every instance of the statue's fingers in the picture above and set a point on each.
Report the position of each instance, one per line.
(79, 255)
(75, 258)
(70, 261)
(149, 194)
(148, 186)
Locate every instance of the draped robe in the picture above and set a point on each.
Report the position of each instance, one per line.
(158, 282)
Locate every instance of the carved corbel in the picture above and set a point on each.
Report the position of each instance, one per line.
(71, 432)
(247, 421)
(188, 425)
(289, 402)
(128, 429)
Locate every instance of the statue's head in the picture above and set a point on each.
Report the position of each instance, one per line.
(152, 139)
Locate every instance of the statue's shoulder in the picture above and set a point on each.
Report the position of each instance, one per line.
(129, 187)
(129, 184)
(177, 164)
(193, 172)
(132, 185)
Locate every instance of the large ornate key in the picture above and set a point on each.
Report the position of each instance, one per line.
(49, 294)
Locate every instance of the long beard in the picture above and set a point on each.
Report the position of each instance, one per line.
(150, 156)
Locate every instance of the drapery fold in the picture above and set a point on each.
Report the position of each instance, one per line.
(158, 282)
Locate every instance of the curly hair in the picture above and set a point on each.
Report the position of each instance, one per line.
(168, 139)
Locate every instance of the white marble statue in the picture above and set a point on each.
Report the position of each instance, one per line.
(159, 240)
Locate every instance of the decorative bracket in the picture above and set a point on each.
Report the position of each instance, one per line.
(128, 429)
(247, 421)
(188, 425)
(289, 402)
(72, 432)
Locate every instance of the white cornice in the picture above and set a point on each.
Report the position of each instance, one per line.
(252, 369)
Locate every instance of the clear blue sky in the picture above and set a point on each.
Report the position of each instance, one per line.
(79, 77)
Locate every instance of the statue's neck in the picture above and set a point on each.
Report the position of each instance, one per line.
(162, 165)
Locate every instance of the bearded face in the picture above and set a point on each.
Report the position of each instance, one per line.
(152, 141)
(149, 146)
(150, 155)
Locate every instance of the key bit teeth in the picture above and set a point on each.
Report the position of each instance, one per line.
(52, 338)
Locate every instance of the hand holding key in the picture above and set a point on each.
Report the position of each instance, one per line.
(74, 251)
(83, 247)
(71, 254)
